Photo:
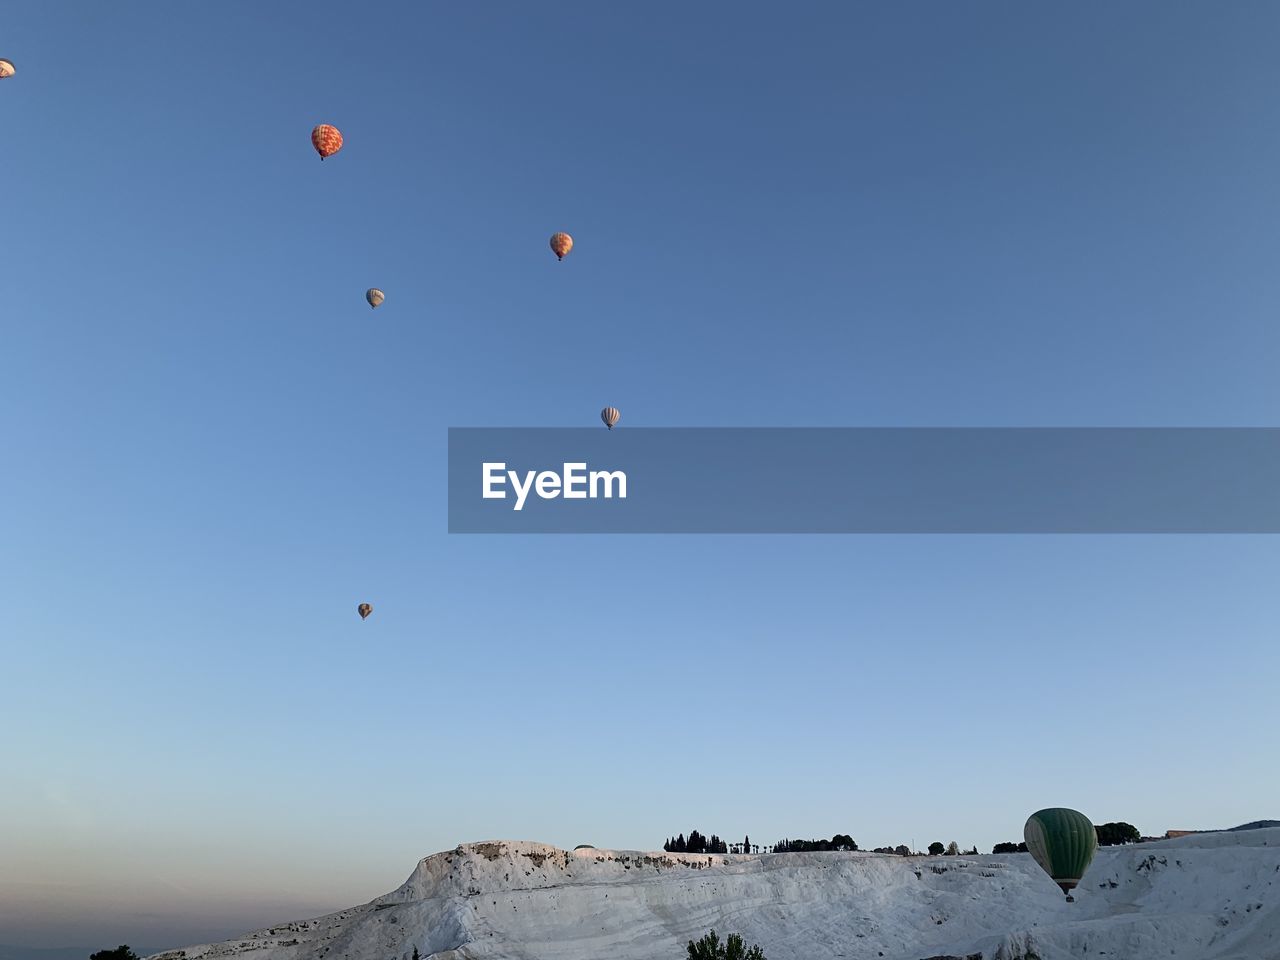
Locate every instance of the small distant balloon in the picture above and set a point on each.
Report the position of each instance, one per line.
(610, 416)
(326, 139)
(364, 610)
(6, 69)
(375, 297)
(561, 244)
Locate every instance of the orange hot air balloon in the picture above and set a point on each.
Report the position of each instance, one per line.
(561, 244)
(6, 69)
(326, 139)
(364, 610)
(610, 416)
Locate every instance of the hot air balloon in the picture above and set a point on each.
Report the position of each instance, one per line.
(561, 244)
(364, 610)
(326, 139)
(375, 297)
(610, 416)
(1062, 841)
(6, 69)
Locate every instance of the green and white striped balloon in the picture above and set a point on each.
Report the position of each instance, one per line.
(1062, 841)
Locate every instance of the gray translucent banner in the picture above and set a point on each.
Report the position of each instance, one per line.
(865, 480)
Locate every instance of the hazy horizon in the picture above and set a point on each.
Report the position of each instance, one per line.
(826, 215)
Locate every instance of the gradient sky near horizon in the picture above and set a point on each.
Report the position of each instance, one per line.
(829, 214)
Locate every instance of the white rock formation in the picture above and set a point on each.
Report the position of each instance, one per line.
(1204, 897)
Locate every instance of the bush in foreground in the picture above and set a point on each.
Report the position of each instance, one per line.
(710, 948)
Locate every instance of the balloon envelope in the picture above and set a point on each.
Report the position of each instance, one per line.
(6, 69)
(610, 416)
(561, 244)
(1062, 841)
(364, 610)
(375, 297)
(326, 139)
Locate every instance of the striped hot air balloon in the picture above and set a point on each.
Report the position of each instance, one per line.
(326, 139)
(561, 244)
(6, 69)
(364, 610)
(610, 416)
(1062, 841)
(375, 297)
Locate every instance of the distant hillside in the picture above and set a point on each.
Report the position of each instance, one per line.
(1256, 825)
(10, 952)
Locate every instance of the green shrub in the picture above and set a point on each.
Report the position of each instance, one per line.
(710, 948)
(121, 952)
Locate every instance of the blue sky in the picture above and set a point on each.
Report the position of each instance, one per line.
(988, 214)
